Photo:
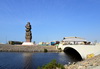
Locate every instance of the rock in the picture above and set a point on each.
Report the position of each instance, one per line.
(81, 67)
(92, 63)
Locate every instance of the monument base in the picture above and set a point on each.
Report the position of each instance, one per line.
(27, 43)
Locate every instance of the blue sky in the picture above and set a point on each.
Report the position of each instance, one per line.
(50, 19)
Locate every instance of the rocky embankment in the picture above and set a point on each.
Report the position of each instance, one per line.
(92, 63)
(20, 48)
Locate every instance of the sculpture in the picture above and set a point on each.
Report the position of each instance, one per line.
(28, 36)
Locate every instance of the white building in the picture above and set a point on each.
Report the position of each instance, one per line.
(74, 41)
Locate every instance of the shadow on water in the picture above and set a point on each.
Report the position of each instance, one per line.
(34, 60)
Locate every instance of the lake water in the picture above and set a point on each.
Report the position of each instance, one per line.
(20, 60)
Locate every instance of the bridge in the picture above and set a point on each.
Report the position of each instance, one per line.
(81, 50)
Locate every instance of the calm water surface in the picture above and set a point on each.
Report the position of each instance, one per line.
(16, 60)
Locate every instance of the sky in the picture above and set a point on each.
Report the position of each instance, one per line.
(50, 19)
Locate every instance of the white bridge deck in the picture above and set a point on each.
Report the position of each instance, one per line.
(83, 50)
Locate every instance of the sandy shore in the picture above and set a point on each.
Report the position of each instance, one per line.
(92, 63)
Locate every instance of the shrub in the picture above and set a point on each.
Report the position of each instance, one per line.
(60, 49)
(45, 50)
(52, 65)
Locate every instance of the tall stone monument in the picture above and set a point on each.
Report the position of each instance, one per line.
(28, 35)
(28, 32)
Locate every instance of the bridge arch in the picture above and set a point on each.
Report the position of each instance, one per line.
(73, 53)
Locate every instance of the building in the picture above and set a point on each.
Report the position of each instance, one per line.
(74, 41)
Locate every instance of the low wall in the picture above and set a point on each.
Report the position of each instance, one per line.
(20, 48)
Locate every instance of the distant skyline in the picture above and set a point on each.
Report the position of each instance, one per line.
(50, 19)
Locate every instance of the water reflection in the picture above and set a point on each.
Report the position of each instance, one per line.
(27, 59)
